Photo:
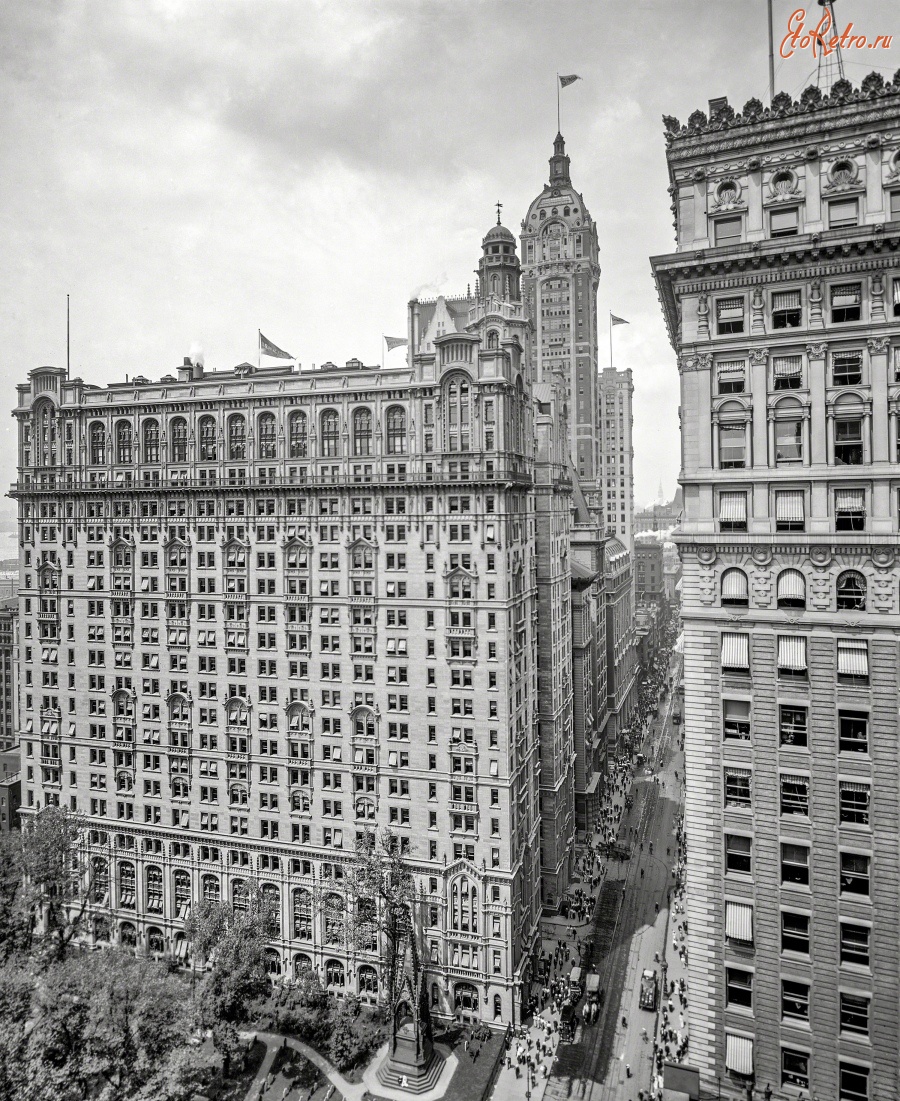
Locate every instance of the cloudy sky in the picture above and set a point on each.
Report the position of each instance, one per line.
(193, 170)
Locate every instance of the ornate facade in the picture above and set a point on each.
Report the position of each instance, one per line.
(783, 304)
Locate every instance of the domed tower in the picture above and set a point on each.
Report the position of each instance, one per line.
(561, 273)
(499, 271)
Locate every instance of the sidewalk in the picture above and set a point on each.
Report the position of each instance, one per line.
(259, 1091)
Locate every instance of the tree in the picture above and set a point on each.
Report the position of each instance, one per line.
(15, 916)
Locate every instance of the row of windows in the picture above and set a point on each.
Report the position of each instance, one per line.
(852, 657)
(847, 368)
(848, 442)
(793, 726)
(849, 507)
(790, 590)
(854, 873)
(854, 797)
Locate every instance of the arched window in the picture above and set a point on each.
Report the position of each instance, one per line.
(124, 781)
(179, 709)
(240, 895)
(154, 879)
(367, 925)
(329, 436)
(435, 995)
(464, 905)
(851, 591)
(362, 432)
(333, 913)
(182, 883)
(498, 1010)
(334, 973)
(123, 443)
(97, 443)
(365, 724)
(44, 434)
(180, 788)
(210, 889)
(458, 415)
(207, 432)
(396, 430)
(128, 934)
(151, 441)
(101, 928)
(127, 883)
(298, 719)
(495, 284)
(735, 592)
(300, 801)
(271, 897)
(493, 340)
(273, 961)
(302, 963)
(178, 440)
(156, 942)
(265, 444)
(302, 910)
(99, 885)
(238, 796)
(237, 436)
(791, 589)
(367, 980)
(365, 810)
(297, 432)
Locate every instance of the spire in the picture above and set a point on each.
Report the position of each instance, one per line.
(559, 164)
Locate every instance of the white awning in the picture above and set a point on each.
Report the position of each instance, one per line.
(741, 773)
(853, 785)
(734, 585)
(739, 921)
(846, 294)
(849, 500)
(730, 369)
(787, 366)
(733, 508)
(735, 650)
(786, 300)
(897, 292)
(791, 585)
(792, 652)
(853, 657)
(846, 359)
(738, 1053)
(789, 507)
(729, 308)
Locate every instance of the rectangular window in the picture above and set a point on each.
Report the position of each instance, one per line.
(846, 368)
(794, 932)
(739, 922)
(846, 299)
(790, 512)
(730, 376)
(854, 1082)
(732, 511)
(843, 212)
(795, 1000)
(786, 315)
(732, 446)
(855, 944)
(795, 864)
(736, 720)
(738, 854)
(788, 441)
(784, 223)
(727, 230)
(848, 441)
(795, 794)
(895, 206)
(853, 731)
(854, 802)
(795, 1068)
(792, 657)
(854, 1013)
(735, 652)
(849, 509)
(738, 987)
(730, 315)
(853, 661)
(855, 874)
(737, 787)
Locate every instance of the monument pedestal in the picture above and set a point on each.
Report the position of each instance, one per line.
(412, 1064)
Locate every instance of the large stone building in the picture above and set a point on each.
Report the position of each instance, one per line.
(9, 615)
(617, 453)
(263, 611)
(649, 585)
(782, 302)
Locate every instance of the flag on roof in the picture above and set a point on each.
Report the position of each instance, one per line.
(618, 320)
(269, 349)
(565, 81)
(395, 342)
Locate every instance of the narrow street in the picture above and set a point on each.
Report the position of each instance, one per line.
(630, 935)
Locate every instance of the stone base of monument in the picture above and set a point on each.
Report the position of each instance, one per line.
(404, 1073)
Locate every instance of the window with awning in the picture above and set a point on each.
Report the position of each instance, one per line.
(846, 368)
(738, 1054)
(735, 589)
(789, 507)
(735, 651)
(739, 921)
(850, 500)
(733, 509)
(791, 591)
(792, 653)
(730, 375)
(897, 298)
(853, 657)
(730, 315)
(784, 367)
(846, 299)
(786, 300)
(794, 794)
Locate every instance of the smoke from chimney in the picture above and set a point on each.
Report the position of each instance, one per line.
(197, 355)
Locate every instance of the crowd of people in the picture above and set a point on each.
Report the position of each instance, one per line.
(532, 1054)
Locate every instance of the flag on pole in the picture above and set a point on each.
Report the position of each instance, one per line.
(267, 348)
(618, 320)
(565, 81)
(395, 342)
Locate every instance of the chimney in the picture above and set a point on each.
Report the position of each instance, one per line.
(186, 371)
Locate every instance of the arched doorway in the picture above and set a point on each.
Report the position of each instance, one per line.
(465, 1002)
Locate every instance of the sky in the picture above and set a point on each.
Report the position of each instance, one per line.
(190, 171)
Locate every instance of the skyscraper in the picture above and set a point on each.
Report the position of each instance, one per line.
(782, 303)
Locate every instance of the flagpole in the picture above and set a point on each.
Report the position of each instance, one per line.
(610, 338)
(383, 342)
(558, 124)
(259, 349)
(68, 341)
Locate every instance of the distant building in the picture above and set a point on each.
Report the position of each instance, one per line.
(671, 572)
(648, 571)
(9, 615)
(621, 671)
(616, 454)
(648, 620)
(10, 790)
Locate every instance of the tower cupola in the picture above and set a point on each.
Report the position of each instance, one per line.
(559, 164)
(499, 272)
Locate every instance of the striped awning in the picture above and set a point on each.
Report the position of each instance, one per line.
(786, 300)
(787, 366)
(792, 652)
(846, 359)
(853, 657)
(734, 585)
(741, 773)
(730, 369)
(729, 308)
(897, 292)
(738, 1053)
(854, 785)
(180, 948)
(791, 585)
(735, 650)
(789, 506)
(739, 921)
(733, 508)
(846, 294)
(849, 500)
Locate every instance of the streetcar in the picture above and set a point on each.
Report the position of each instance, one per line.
(649, 990)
